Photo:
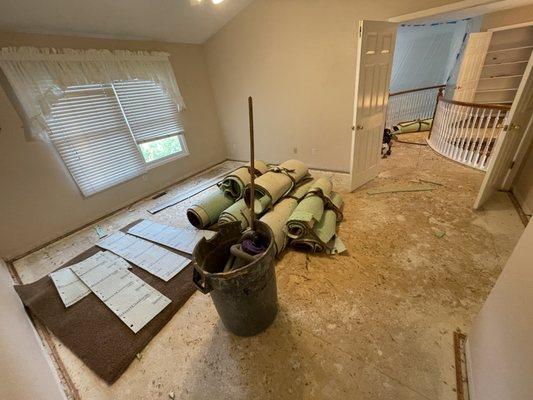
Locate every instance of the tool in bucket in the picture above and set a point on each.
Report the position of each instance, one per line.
(237, 269)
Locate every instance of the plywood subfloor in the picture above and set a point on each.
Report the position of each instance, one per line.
(375, 323)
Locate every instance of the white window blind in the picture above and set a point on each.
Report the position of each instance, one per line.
(150, 112)
(90, 133)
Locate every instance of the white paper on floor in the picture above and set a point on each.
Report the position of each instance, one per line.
(135, 302)
(152, 258)
(70, 288)
(180, 239)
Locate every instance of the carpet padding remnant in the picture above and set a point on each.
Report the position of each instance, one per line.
(91, 330)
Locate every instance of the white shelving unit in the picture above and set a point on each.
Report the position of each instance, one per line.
(505, 63)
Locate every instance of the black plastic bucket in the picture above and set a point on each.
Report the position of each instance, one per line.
(245, 298)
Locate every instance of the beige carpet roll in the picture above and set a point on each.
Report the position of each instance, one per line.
(233, 185)
(237, 212)
(276, 220)
(276, 183)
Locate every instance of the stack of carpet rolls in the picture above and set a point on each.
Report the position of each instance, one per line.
(297, 208)
(312, 225)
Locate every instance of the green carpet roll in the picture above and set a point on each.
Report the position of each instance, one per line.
(310, 209)
(323, 237)
(413, 126)
(207, 211)
(233, 185)
(277, 217)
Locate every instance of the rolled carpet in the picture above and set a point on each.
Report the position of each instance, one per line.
(207, 211)
(276, 183)
(238, 211)
(323, 237)
(277, 217)
(233, 185)
(309, 210)
(413, 126)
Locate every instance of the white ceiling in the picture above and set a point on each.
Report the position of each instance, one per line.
(183, 21)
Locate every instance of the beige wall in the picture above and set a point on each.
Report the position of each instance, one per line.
(511, 16)
(500, 343)
(39, 200)
(297, 58)
(26, 373)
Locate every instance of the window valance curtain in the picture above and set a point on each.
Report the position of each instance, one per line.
(40, 76)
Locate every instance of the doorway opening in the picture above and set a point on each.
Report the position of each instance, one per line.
(463, 90)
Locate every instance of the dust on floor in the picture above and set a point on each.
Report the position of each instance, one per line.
(374, 323)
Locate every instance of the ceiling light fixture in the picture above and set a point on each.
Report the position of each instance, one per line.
(216, 1)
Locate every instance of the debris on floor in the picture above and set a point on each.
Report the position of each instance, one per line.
(401, 189)
(440, 234)
(100, 231)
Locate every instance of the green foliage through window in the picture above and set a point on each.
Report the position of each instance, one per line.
(157, 149)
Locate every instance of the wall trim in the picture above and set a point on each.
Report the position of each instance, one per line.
(337, 171)
(109, 214)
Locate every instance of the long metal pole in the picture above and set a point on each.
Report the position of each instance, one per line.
(252, 163)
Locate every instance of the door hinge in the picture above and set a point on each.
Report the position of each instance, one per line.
(360, 31)
(511, 165)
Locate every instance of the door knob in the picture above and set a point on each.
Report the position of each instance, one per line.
(359, 127)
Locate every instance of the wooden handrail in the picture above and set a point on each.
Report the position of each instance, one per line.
(416, 90)
(477, 105)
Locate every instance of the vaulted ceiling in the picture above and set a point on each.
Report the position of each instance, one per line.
(184, 21)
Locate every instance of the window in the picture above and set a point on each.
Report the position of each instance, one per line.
(110, 133)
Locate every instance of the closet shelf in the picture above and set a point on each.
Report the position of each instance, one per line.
(506, 63)
(510, 49)
(496, 90)
(500, 77)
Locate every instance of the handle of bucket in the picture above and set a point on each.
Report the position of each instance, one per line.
(199, 282)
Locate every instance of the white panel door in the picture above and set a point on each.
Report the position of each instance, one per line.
(508, 146)
(471, 66)
(375, 51)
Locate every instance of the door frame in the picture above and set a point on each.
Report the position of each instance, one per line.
(504, 180)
